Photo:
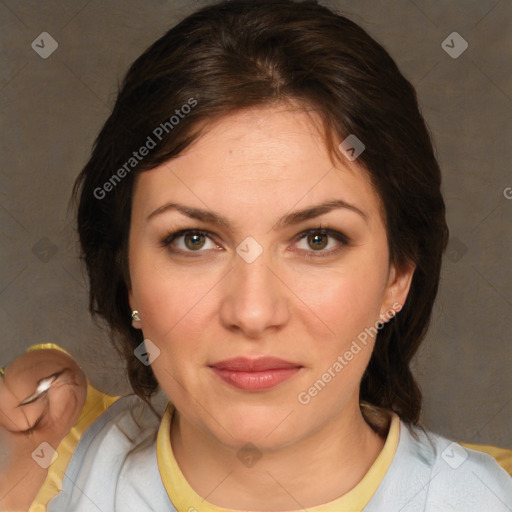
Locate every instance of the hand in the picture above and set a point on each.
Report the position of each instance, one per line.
(42, 394)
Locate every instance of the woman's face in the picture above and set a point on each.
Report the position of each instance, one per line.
(256, 284)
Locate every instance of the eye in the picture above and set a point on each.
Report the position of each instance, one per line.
(318, 240)
(188, 240)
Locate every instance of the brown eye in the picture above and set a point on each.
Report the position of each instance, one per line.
(318, 241)
(189, 241)
(194, 240)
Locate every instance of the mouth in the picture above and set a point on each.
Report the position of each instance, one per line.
(255, 374)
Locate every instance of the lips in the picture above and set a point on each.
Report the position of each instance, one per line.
(255, 374)
(242, 364)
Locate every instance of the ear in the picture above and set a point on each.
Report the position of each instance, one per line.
(397, 289)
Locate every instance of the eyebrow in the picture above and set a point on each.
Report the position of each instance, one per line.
(290, 219)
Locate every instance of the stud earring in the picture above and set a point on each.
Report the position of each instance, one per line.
(135, 316)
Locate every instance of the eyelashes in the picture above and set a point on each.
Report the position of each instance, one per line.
(342, 240)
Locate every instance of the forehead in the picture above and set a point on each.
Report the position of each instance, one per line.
(263, 158)
(278, 136)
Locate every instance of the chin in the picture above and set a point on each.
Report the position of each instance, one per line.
(266, 431)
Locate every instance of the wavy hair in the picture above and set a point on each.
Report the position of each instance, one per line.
(239, 54)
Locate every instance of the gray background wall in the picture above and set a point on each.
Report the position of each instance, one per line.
(51, 109)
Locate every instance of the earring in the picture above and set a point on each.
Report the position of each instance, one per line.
(135, 316)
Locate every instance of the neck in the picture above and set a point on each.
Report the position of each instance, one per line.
(338, 456)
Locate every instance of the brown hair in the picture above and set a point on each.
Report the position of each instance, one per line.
(245, 53)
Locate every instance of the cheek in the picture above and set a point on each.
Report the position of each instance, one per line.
(168, 305)
(176, 308)
(158, 293)
(345, 306)
(345, 300)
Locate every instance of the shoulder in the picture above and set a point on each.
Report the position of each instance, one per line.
(472, 479)
(432, 473)
(114, 465)
(503, 456)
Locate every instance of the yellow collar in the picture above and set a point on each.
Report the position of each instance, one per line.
(184, 498)
(95, 404)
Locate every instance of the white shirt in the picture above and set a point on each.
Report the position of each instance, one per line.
(114, 468)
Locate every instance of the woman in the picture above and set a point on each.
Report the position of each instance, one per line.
(263, 229)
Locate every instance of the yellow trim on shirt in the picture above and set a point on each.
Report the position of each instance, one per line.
(47, 346)
(96, 403)
(184, 498)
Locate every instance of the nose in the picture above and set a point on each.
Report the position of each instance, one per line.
(255, 298)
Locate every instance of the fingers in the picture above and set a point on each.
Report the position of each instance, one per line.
(42, 389)
(12, 417)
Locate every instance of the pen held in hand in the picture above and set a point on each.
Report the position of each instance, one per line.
(42, 387)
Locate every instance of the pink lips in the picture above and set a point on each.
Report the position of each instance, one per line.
(255, 374)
